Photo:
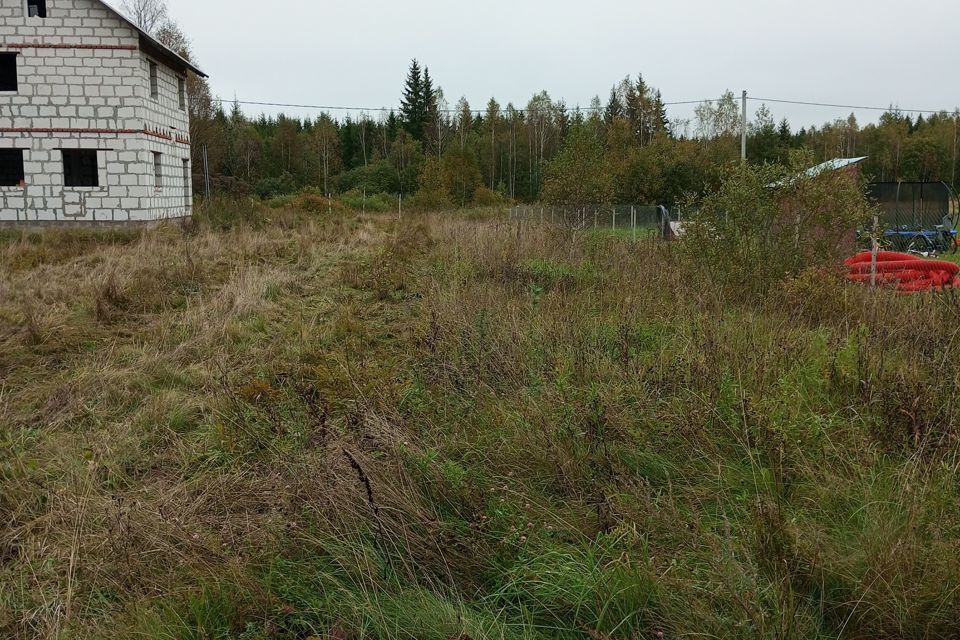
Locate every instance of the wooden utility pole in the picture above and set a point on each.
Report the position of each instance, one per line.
(743, 130)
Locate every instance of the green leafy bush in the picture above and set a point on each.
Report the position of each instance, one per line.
(374, 202)
(276, 186)
(376, 177)
(767, 222)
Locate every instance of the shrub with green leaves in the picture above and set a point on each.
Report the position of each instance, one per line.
(766, 222)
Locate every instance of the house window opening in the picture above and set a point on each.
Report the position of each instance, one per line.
(186, 183)
(11, 167)
(80, 168)
(182, 93)
(157, 170)
(8, 72)
(37, 8)
(154, 81)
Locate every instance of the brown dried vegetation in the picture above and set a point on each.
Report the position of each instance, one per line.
(463, 427)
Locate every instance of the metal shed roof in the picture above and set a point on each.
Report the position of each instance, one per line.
(833, 165)
(830, 165)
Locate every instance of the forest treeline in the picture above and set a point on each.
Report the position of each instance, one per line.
(622, 150)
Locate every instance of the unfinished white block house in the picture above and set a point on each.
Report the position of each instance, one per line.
(94, 126)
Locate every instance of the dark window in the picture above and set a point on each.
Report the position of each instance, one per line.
(37, 8)
(182, 93)
(11, 167)
(8, 72)
(80, 168)
(154, 81)
(157, 170)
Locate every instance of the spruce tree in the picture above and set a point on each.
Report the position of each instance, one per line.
(393, 125)
(661, 121)
(614, 109)
(429, 103)
(348, 144)
(645, 124)
(429, 92)
(785, 134)
(431, 121)
(413, 110)
(632, 106)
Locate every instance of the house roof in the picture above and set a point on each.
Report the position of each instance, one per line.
(156, 48)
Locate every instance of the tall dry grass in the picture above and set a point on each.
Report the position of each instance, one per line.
(456, 426)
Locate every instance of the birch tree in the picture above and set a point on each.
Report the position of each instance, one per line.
(326, 140)
(149, 15)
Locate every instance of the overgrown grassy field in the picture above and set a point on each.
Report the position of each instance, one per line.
(455, 426)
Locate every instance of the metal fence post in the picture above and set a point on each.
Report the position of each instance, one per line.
(614, 223)
(206, 173)
(633, 221)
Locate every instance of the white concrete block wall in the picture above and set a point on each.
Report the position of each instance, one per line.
(164, 111)
(85, 83)
(164, 115)
(73, 88)
(67, 21)
(174, 198)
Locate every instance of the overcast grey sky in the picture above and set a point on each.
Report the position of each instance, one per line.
(356, 53)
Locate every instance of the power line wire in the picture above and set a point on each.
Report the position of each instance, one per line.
(307, 106)
(284, 105)
(891, 108)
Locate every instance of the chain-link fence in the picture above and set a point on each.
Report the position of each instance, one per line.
(635, 221)
(914, 206)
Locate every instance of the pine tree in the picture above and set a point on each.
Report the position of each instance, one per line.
(413, 109)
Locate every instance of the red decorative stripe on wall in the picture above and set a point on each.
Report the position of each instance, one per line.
(148, 132)
(80, 131)
(104, 47)
(156, 133)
